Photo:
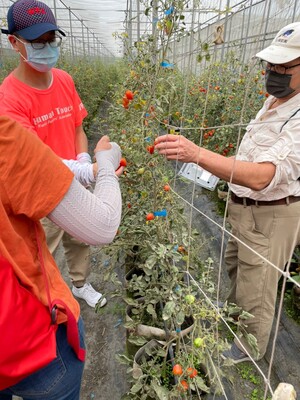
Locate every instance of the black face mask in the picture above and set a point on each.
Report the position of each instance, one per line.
(278, 85)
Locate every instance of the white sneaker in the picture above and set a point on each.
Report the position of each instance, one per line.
(90, 295)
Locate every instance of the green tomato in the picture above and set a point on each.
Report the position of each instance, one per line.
(198, 342)
(189, 298)
(141, 171)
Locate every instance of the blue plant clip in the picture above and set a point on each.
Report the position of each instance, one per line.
(165, 64)
(147, 139)
(169, 11)
(162, 213)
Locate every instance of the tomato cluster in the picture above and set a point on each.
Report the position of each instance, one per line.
(190, 372)
(128, 96)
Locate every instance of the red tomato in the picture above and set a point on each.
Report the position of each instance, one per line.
(125, 102)
(150, 149)
(123, 162)
(129, 95)
(150, 217)
(177, 369)
(166, 188)
(184, 384)
(192, 372)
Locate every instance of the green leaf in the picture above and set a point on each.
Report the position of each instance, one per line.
(151, 310)
(137, 340)
(168, 310)
(161, 392)
(201, 384)
(180, 317)
(136, 387)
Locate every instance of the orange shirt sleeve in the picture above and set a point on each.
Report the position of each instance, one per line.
(34, 178)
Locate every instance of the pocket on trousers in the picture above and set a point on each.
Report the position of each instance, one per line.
(41, 382)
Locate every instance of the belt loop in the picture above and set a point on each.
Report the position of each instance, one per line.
(256, 203)
(287, 200)
(244, 202)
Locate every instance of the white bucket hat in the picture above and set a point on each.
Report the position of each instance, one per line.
(285, 47)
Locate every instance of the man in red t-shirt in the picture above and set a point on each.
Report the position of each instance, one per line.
(45, 100)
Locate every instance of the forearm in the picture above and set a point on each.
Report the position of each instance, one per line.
(92, 218)
(256, 176)
(83, 171)
(81, 141)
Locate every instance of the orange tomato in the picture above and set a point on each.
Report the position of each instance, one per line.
(150, 217)
(129, 95)
(184, 385)
(150, 149)
(166, 188)
(125, 102)
(123, 162)
(192, 372)
(177, 369)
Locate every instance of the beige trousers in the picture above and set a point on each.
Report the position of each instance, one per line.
(77, 253)
(273, 232)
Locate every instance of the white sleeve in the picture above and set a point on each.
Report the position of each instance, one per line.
(93, 218)
(83, 171)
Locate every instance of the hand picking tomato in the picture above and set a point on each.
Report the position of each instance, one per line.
(129, 94)
(192, 372)
(150, 217)
(123, 162)
(177, 369)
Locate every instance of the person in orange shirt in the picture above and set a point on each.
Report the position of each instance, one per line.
(35, 183)
(44, 100)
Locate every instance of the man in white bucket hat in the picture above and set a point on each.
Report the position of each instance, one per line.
(264, 210)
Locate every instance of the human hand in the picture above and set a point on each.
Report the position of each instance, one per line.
(107, 151)
(119, 171)
(177, 147)
(103, 144)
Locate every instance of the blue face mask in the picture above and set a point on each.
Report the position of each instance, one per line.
(42, 60)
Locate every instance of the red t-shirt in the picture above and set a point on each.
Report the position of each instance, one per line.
(53, 113)
(29, 190)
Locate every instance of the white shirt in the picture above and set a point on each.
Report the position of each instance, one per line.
(267, 140)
